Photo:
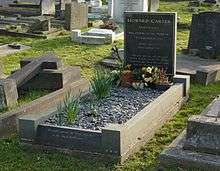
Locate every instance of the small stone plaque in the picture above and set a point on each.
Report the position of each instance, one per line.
(150, 40)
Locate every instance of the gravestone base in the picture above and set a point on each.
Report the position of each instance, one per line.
(198, 146)
(203, 135)
(174, 156)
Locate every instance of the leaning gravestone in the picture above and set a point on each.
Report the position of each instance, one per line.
(150, 39)
(205, 34)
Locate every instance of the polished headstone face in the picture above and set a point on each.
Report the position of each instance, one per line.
(150, 40)
(205, 32)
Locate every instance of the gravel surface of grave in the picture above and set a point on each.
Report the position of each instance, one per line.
(119, 107)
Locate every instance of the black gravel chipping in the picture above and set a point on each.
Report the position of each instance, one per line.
(120, 106)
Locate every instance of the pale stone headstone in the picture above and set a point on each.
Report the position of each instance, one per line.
(96, 3)
(116, 8)
(111, 8)
(47, 7)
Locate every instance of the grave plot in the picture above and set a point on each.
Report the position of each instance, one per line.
(123, 108)
(198, 146)
(12, 48)
(42, 73)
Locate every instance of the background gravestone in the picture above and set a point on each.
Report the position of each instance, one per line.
(150, 39)
(76, 15)
(205, 34)
(116, 8)
(1, 70)
(47, 7)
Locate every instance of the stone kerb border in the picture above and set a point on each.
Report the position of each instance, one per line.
(117, 141)
(8, 120)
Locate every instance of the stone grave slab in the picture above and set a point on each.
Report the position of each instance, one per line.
(150, 40)
(95, 36)
(204, 71)
(6, 50)
(49, 79)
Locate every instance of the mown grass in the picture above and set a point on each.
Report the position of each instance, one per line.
(14, 157)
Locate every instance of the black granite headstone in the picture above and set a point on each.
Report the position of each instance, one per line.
(150, 40)
(205, 33)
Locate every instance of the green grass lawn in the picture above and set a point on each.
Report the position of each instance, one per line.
(14, 157)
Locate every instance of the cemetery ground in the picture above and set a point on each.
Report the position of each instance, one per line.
(14, 157)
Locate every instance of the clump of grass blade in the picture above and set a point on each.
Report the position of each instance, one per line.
(101, 84)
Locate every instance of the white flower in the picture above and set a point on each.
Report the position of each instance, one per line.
(149, 70)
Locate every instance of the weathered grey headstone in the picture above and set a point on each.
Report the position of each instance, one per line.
(8, 93)
(150, 40)
(205, 34)
(41, 23)
(76, 15)
(203, 134)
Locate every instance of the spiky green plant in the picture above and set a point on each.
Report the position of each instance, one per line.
(69, 107)
(101, 84)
